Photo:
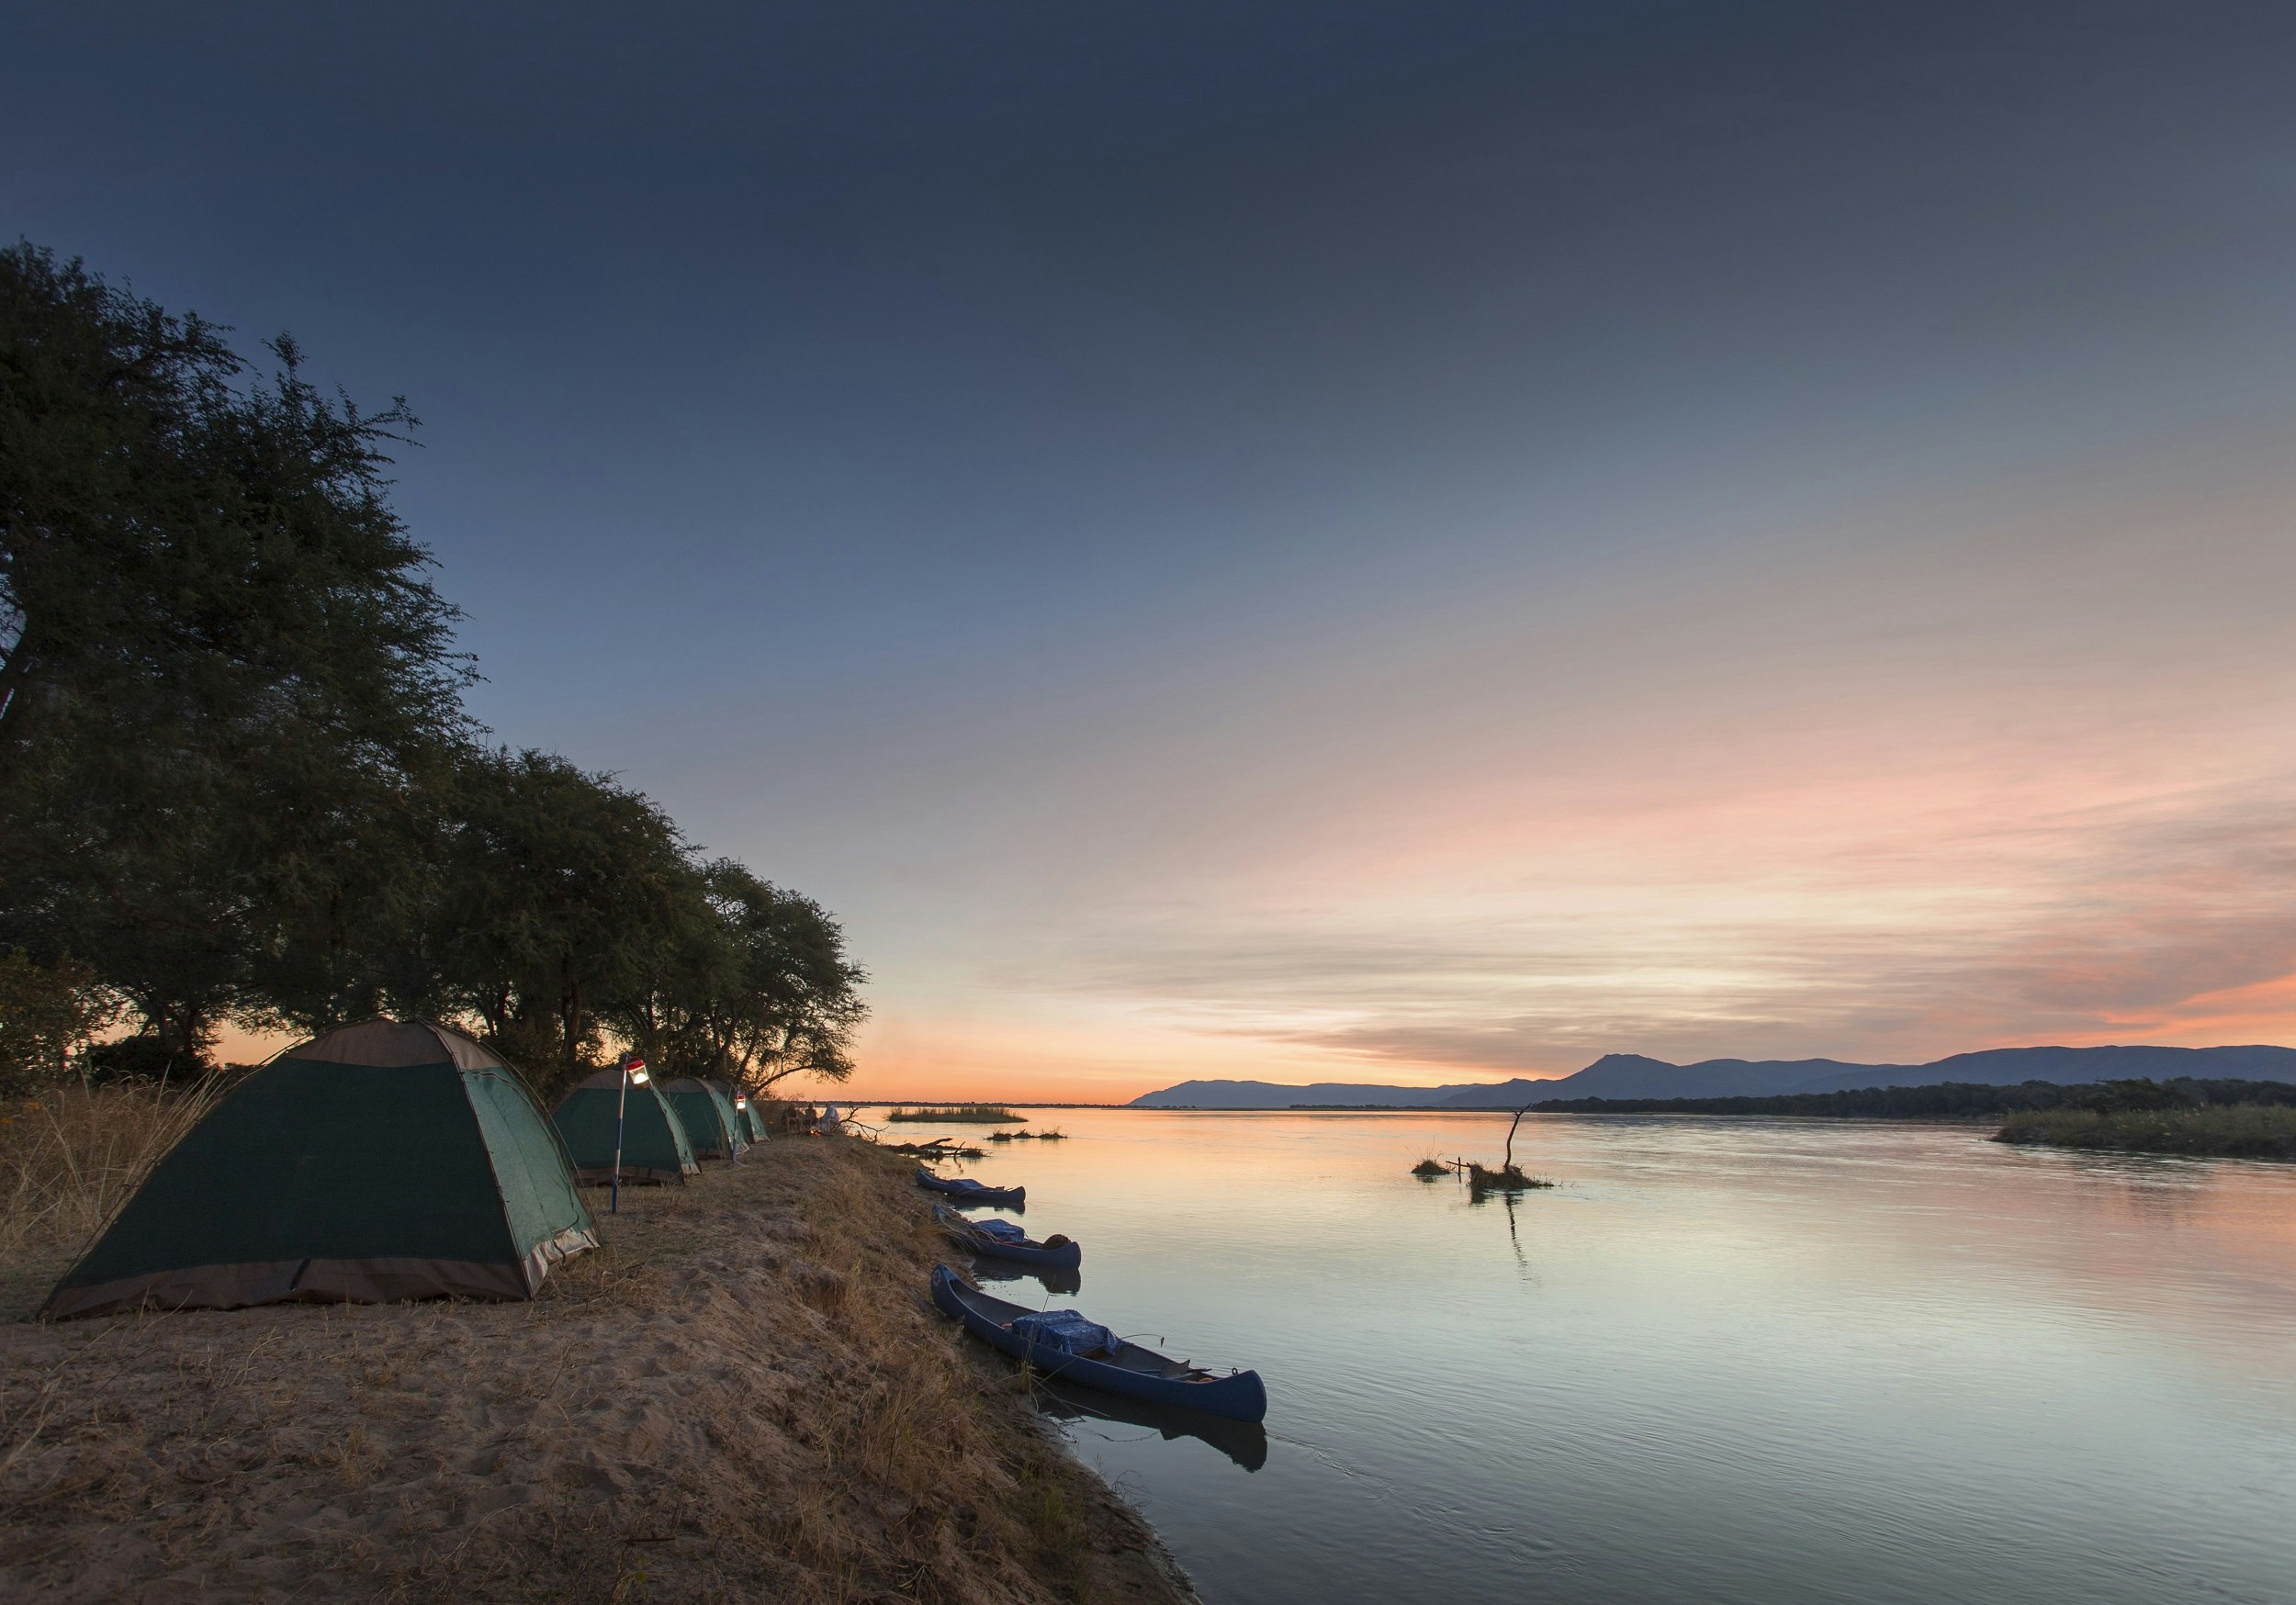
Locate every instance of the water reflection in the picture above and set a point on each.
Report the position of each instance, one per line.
(1007, 1205)
(1061, 1282)
(1780, 1363)
(1244, 1442)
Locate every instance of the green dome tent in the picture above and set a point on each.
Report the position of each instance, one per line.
(654, 1143)
(713, 1127)
(747, 1124)
(381, 1161)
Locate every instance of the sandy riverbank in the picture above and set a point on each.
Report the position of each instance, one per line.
(744, 1395)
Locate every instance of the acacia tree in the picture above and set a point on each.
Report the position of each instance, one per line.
(46, 1013)
(666, 993)
(795, 999)
(754, 988)
(236, 778)
(557, 887)
(219, 658)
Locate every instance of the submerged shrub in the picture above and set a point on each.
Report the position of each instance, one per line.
(1508, 1179)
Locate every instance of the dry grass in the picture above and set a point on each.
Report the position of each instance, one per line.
(745, 1394)
(70, 1158)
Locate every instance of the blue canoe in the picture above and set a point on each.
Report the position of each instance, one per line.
(1122, 1367)
(970, 1191)
(1063, 1255)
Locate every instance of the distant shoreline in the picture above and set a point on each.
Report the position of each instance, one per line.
(2203, 1118)
(2215, 1132)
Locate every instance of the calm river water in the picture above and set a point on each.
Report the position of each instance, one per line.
(1724, 1360)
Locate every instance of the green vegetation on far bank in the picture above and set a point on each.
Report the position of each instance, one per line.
(2226, 1119)
(961, 1114)
(1951, 1100)
(2213, 1130)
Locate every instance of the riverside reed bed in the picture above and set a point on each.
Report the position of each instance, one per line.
(2213, 1130)
(958, 1114)
(743, 1395)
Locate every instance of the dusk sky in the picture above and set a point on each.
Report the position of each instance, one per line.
(1401, 542)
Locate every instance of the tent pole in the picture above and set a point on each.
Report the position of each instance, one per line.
(621, 1104)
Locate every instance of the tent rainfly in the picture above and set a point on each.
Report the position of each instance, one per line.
(654, 1143)
(381, 1161)
(711, 1122)
(755, 1114)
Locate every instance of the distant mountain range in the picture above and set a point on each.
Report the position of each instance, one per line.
(1630, 1075)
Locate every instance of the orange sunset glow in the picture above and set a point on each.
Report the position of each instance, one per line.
(2021, 775)
(1186, 803)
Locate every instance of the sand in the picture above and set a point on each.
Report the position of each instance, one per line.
(746, 1395)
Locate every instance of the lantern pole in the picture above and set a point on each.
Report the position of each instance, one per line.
(632, 1074)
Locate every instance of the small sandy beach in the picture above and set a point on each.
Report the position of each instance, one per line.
(744, 1395)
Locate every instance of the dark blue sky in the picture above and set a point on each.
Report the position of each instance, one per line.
(1020, 470)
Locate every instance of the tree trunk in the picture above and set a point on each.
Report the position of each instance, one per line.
(495, 1009)
(13, 675)
(571, 1018)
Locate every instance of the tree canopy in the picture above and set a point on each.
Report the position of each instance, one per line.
(756, 988)
(237, 778)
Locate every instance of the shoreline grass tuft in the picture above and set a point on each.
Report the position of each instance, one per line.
(1427, 1169)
